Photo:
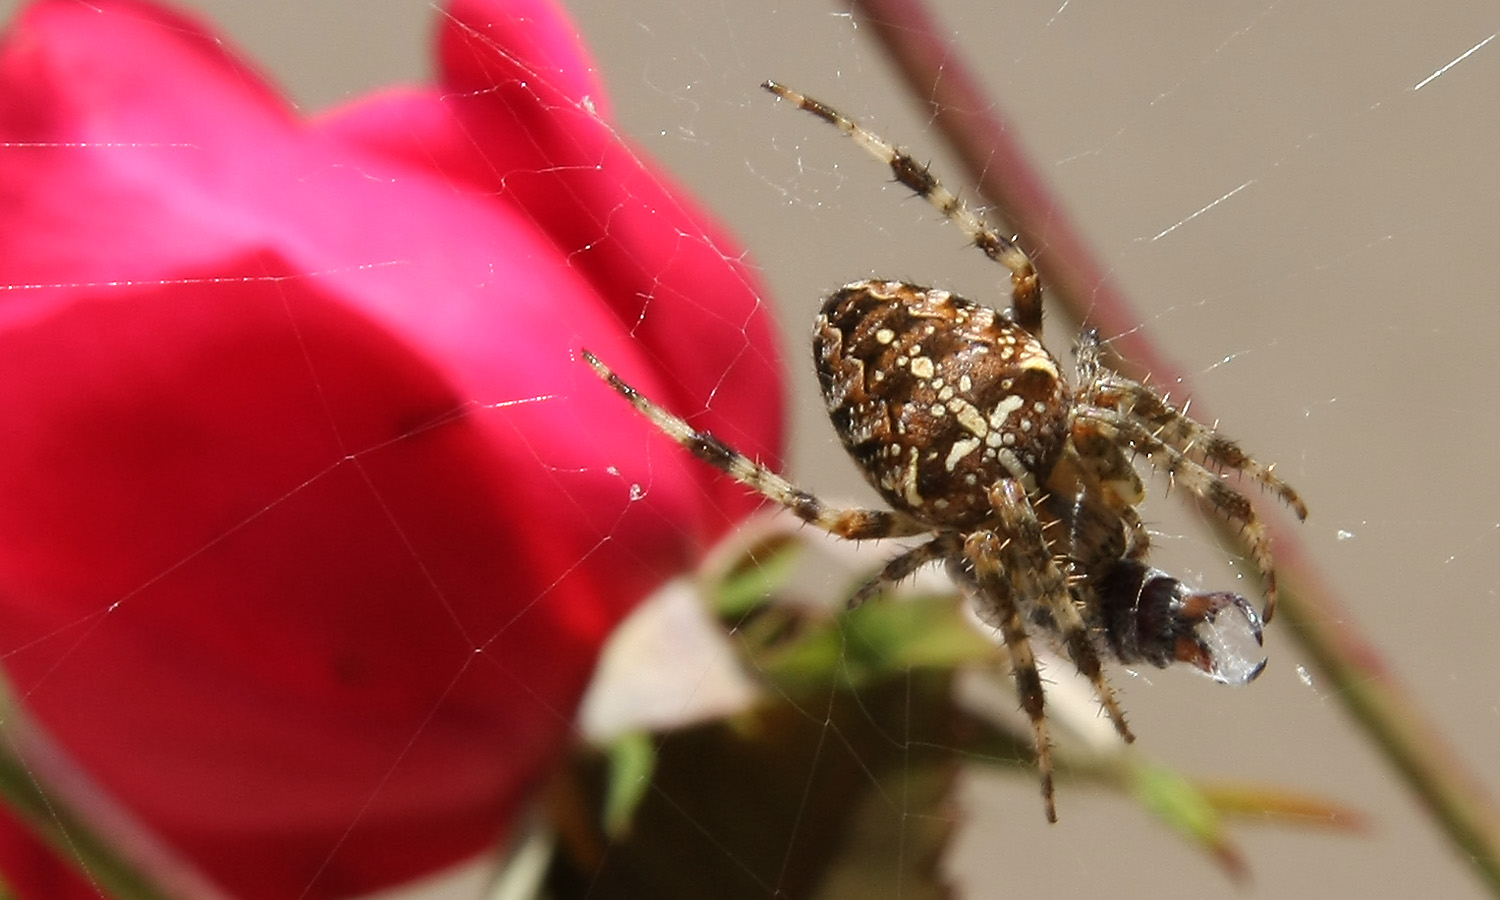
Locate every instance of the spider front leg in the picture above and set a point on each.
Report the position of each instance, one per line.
(1194, 439)
(854, 524)
(1008, 577)
(1035, 570)
(983, 550)
(1120, 428)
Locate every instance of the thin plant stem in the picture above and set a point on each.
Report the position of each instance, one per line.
(940, 78)
(71, 835)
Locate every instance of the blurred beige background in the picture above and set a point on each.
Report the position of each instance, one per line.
(1337, 312)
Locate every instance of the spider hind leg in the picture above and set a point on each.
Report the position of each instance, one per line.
(944, 546)
(1026, 285)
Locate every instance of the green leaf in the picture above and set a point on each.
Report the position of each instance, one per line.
(632, 760)
(1269, 803)
(879, 640)
(1185, 808)
(753, 576)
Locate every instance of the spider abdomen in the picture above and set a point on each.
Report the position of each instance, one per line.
(938, 398)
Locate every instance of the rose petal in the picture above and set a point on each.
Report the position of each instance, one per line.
(312, 527)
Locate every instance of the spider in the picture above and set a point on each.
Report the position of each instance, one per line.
(1024, 487)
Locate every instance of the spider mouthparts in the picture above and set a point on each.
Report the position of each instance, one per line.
(1222, 637)
(1155, 618)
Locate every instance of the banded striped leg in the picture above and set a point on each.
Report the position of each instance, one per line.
(944, 546)
(854, 524)
(1192, 438)
(1037, 579)
(1117, 426)
(1026, 285)
(983, 550)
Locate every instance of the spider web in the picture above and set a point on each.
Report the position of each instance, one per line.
(1302, 203)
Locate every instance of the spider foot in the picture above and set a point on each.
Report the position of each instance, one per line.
(1049, 802)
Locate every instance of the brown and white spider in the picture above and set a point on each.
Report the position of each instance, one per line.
(1024, 486)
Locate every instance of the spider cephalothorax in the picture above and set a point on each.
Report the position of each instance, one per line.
(1023, 485)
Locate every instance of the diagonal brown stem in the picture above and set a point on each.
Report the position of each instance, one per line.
(938, 76)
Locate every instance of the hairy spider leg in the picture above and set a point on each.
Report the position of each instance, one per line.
(983, 549)
(1191, 437)
(945, 546)
(1037, 578)
(1199, 481)
(853, 523)
(1026, 284)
